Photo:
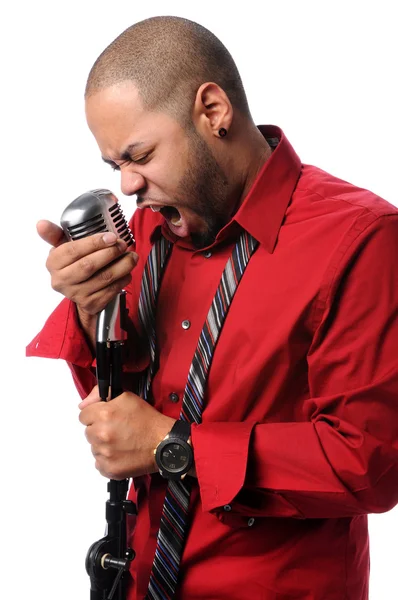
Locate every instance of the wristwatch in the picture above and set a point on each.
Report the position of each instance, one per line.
(174, 455)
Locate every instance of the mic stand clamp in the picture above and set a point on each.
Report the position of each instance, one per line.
(106, 555)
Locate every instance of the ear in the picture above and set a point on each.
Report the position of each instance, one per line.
(212, 110)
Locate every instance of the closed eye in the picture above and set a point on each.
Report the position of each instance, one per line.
(137, 161)
(128, 161)
(141, 159)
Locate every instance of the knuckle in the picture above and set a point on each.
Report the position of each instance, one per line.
(51, 259)
(71, 248)
(49, 264)
(107, 453)
(86, 266)
(104, 437)
(104, 415)
(86, 305)
(55, 283)
(106, 275)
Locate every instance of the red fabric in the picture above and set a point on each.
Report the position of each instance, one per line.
(300, 429)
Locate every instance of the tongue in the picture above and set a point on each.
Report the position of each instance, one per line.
(178, 226)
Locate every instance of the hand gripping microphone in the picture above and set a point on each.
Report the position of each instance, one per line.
(94, 212)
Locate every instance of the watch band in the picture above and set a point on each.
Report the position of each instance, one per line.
(181, 429)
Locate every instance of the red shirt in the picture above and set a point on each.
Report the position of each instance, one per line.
(299, 439)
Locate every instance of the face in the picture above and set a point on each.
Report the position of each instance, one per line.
(170, 169)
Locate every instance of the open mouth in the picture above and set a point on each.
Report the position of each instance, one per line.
(170, 213)
(176, 222)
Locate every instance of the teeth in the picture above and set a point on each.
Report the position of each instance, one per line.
(155, 208)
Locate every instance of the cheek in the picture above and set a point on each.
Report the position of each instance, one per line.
(165, 178)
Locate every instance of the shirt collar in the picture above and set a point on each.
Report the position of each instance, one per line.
(262, 211)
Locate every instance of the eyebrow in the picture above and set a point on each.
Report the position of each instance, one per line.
(126, 154)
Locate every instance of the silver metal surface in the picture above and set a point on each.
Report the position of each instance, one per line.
(93, 212)
(109, 321)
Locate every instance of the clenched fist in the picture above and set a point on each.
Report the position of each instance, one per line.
(123, 434)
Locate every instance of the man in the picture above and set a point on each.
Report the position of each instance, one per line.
(276, 334)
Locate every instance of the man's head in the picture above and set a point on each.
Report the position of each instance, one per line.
(156, 99)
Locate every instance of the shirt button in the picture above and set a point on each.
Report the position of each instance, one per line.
(186, 324)
(207, 254)
(250, 522)
(227, 508)
(174, 397)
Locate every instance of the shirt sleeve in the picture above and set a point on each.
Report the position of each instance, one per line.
(342, 458)
(63, 338)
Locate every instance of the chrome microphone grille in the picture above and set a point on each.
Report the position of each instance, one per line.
(93, 212)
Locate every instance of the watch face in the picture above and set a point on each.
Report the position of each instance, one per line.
(174, 457)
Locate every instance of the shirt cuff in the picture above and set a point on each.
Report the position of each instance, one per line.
(62, 337)
(221, 453)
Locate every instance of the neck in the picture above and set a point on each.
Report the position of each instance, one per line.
(252, 152)
(259, 153)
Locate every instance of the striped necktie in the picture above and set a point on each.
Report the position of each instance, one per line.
(173, 523)
(151, 277)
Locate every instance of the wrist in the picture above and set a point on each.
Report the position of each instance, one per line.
(87, 324)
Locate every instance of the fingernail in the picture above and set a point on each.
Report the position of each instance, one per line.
(109, 238)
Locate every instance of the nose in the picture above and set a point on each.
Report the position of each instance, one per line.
(131, 182)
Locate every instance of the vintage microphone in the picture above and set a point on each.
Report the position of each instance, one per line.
(93, 212)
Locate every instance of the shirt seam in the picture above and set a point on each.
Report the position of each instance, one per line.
(352, 235)
(355, 204)
(66, 328)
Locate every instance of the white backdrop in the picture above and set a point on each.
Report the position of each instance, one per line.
(324, 71)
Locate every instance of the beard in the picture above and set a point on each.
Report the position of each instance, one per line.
(205, 190)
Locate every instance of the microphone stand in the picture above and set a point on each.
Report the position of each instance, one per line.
(109, 559)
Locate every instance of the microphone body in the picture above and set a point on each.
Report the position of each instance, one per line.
(93, 212)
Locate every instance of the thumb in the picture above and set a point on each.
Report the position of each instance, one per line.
(92, 398)
(50, 233)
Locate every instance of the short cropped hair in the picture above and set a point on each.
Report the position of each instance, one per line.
(168, 59)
